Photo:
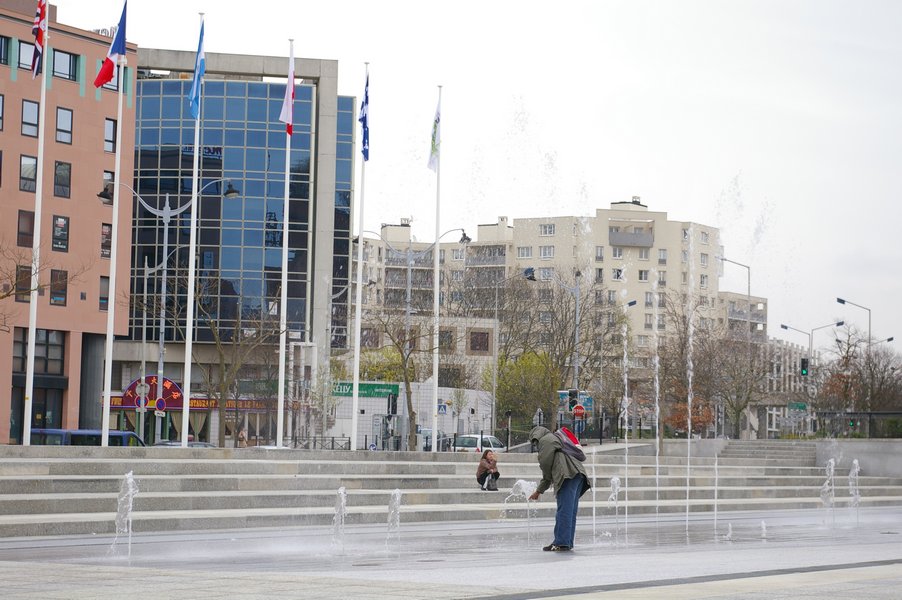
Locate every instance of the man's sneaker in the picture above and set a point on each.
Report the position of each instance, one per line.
(556, 548)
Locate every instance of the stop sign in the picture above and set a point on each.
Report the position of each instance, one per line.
(579, 411)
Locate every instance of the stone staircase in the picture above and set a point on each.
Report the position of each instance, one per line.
(74, 490)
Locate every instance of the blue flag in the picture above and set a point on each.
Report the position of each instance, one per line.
(200, 65)
(364, 120)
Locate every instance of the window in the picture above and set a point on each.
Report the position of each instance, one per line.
(524, 251)
(479, 341)
(4, 50)
(703, 259)
(104, 295)
(704, 237)
(703, 282)
(599, 275)
(546, 295)
(49, 349)
(106, 240)
(649, 321)
(62, 179)
(643, 253)
(617, 252)
(58, 287)
(109, 135)
(546, 273)
(662, 300)
(369, 337)
(65, 65)
(662, 278)
(63, 125)
(643, 274)
(109, 179)
(649, 299)
(662, 256)
(60, 233)
(599, 297)
(685, 234)
(599, 253)
(113, 83)
(642, 341)
(612, 297)
(684, 256)
(25, 236)
(28, 173)
(30, 118)
(23, 283)
(457, 275)
(26, 53)
(1, 112)
(661, 322)
(684, 279)
(546, 252)
(457, 254)
(545, 316)
(446, 340)
(613, 229)
(617, 274)
(546, 229)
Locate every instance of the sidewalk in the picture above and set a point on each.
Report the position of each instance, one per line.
(768, 554)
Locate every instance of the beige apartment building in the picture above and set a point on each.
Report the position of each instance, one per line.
(75, 228)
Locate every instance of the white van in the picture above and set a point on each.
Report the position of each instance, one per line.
(473, 442)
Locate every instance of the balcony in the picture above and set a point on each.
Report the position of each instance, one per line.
(635, 240)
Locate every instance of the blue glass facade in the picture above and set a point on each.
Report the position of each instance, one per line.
(239, 239)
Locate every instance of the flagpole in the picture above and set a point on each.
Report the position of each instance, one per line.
(435, 288)
(283, 300)
(192, 264)
(35, 246)
(114, 243)
(358, 298)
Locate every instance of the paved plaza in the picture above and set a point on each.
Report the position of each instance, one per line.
(751, 555)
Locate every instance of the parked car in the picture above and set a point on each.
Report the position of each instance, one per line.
(473, 442)
(444, 441)
(83, 437)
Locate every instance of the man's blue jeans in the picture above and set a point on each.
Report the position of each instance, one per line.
(567, 507)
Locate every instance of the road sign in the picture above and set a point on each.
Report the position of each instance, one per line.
(372, 446)
(799, 406)
(579, 411)
(161, 404)
(579, 426)
(442, 409)
(159, 413)
(142, 389)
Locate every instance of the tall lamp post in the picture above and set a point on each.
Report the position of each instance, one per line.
(809, 388)
(530, 275)
(166, 214)
(867, 358)
(748, 329)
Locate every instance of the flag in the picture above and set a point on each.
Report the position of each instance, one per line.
(117, 49)
(364, 120)
(200, 65)
(39, 31)
(287, 115)
(436, 137)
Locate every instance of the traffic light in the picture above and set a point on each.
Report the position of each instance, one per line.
(392, 404)
(852, 423)
(803, 367)
(573, 395)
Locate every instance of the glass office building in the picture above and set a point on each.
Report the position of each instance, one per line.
(240, 229)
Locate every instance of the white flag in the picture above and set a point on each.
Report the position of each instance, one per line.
(436, 137)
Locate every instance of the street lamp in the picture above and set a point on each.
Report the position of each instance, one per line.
(748, 327)
(410, 254)
(530, 275)
(166, 214)
(867, 358)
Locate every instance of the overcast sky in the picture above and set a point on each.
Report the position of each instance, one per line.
(777, 121)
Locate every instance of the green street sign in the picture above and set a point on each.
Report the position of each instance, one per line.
(799, 406)
(366, 390)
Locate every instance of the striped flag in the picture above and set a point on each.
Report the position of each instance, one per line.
(200, 66)
(39, 31)
(287, 115)
(436, 137)
(364, 120)
(117, 49)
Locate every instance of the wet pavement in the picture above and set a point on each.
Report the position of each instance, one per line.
(748, 555)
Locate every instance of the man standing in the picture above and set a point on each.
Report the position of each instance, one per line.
(570, 482)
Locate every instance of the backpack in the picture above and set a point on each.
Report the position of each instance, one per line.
(570, 444)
